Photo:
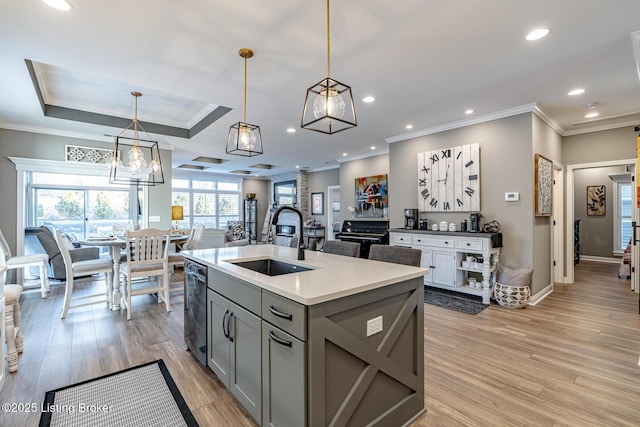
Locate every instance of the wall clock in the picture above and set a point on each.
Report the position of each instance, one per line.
(449, 179)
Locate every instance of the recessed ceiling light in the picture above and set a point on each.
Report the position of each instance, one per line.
(373, 147)
(368, 99)
(63, 5)
(469, 111)
(297, 166)
(291, 130)
(576, 91)
(409, 126)
(344, 154)
(591, 115)
(537, 34)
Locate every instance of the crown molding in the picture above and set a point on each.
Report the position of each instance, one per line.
(548, 120)
(509, 112)
(67, 134)
(361, 156)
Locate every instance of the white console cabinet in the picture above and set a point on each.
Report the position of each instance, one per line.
(454, 257)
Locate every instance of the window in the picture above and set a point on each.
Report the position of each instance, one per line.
(83, 206)
(622, 220)
(211, 202)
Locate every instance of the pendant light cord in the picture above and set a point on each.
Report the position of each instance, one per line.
(245, 90)
(328, 41)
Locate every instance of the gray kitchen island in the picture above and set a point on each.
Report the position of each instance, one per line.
(329, 340)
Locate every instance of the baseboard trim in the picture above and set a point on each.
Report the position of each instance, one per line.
(534, 300)
(600, 259)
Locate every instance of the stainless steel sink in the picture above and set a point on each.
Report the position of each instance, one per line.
(270, 267)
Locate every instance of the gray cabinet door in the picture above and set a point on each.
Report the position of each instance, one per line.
(218, 351)
(284, 378)
(246, 363)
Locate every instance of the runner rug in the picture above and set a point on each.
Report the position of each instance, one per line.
(144, 395)
(454, 301)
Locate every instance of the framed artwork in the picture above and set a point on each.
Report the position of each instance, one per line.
(596, 200)
(543, 185)
(371, 196)
(317, 203)
(335, 206)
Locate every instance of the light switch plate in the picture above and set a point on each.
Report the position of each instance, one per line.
(511, 197)
(374, 326)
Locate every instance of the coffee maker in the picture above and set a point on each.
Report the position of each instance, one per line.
(474, 222)
(410, 219)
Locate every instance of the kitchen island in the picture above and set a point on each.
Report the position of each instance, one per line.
(330, 340)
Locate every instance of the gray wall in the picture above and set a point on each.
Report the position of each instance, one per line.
(506, 163)
(318, 183)
(349, 171)
(596, 232)
(603, 146)
(545, 141)
(51, 147)
(614, 144)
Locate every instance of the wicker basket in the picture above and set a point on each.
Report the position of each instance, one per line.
(511, 296)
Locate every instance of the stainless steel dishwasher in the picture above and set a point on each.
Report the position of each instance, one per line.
(195, 309)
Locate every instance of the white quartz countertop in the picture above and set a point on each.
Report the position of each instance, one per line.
(331, 277)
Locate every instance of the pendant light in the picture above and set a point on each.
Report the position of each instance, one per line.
(244, 138)
(328, 106)
(136, 170)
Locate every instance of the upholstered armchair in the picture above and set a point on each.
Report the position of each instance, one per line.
(56, 262)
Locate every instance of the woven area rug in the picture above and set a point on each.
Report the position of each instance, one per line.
(454, 301)
(144, 395)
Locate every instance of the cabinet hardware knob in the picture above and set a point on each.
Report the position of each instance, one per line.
(279, 340)
(276, 312)
(468, 244)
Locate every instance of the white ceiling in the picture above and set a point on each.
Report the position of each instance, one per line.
(426, 62)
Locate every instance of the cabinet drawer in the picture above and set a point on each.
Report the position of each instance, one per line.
(400, 238)
(469, 244)
(437, 241)
(288, 315)
(242, 293)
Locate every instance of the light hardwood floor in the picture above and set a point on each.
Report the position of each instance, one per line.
(572, 360)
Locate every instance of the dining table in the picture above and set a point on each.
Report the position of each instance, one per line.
(116, 245)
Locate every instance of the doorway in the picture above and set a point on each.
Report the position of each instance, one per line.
(571, 214)
(333, 211)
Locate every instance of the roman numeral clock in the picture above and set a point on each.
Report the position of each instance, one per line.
(449, 179)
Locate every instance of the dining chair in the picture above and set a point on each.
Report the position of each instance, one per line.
(80, 269)
(340, 247)
(312, 244)
(25, 261)
(148, 257)
(395, 254)
(177, 260)
(12, 316)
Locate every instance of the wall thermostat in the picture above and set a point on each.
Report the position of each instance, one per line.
(511, 197)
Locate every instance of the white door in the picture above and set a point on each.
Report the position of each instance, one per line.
(333, 210)
(444, 272)
(557, 230)
(635, 252)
